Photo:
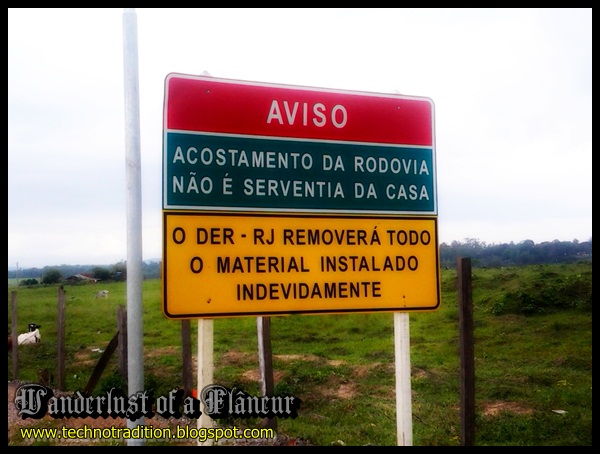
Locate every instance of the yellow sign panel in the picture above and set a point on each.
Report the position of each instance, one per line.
(217, 265)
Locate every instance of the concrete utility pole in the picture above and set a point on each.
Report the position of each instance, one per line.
(135, 350)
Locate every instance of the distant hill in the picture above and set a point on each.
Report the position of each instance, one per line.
(524, 253)
(150, 270)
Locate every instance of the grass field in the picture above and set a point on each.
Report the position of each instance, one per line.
(533, 359)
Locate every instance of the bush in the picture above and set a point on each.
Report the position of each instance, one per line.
(52, 276)
(28, 282)
(557, 293)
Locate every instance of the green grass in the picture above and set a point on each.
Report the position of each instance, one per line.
(533, 355)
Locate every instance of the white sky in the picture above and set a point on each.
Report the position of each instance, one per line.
(513, 111)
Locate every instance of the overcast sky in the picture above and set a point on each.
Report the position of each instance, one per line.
(512, 90)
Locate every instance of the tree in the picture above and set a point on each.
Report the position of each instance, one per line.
(101, 273)
(120, 271)
(52, 276)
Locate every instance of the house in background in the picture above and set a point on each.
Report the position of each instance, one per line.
(75, 278)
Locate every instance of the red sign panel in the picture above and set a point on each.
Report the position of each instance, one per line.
(206, 104)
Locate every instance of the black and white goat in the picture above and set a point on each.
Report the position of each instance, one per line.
(32, 336)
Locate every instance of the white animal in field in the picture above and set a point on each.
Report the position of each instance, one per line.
(102, 294)
(33, 336)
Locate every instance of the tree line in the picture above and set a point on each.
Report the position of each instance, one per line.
(510, 254)
(482, 255)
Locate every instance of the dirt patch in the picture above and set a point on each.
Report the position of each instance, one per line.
(254, 375)
(343, 391)
(234, 357)
(495, 408)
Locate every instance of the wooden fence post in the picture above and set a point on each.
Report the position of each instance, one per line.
(265, 363)
(186, 352)
(467, 353)
(14, 334)
(122, 340)
(60, 357)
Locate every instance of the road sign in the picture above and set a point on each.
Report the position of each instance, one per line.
(241, 146)
(282, 199)
(270, 264)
